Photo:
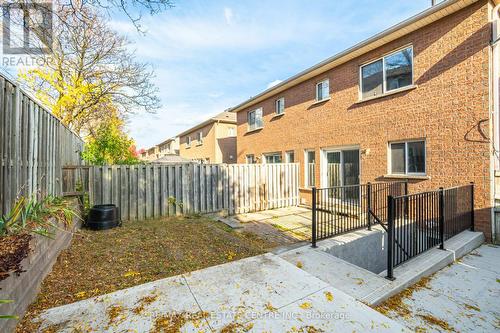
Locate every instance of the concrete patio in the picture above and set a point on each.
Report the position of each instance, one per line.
(263, 293)
(463, 297)
(284, 225)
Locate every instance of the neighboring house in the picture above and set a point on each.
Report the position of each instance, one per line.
(169, 147)
(212, 141)
(418, 101)
(171, 159)
(150, 154)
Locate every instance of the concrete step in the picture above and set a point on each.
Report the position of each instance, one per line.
(345, 276)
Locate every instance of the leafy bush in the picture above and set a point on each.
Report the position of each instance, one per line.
(32, 216)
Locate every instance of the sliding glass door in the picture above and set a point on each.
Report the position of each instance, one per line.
(341, 168)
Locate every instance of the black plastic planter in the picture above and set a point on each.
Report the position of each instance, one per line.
(102, 217)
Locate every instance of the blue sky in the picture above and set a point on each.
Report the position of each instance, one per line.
(212, 55)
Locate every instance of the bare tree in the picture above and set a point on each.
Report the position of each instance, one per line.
(91, 71)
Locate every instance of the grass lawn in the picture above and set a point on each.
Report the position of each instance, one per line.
(101, 262)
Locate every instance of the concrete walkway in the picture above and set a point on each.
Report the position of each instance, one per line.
(463, 297)
(258, 294)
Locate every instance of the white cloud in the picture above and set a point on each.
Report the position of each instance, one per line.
(272, 84)
(228, 15)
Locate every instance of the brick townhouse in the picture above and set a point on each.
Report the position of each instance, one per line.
(212, 141)
(417, 101)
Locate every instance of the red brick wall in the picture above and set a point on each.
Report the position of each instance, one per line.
(448, 108)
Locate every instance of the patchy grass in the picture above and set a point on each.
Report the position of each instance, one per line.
(100, 262)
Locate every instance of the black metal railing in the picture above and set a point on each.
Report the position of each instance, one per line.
(419, 222)
(340, 209)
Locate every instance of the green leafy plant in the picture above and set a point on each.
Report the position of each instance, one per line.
(6, 301)
(33, 216)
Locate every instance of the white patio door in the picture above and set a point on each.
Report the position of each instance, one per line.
(340, 167)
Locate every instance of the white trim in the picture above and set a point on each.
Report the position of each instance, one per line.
(306, 166)
(340, 149)
(249, 129)
(276, 109)
(253, 158)
(287, 156)
(265, 155)
(386, 92)
(389, 158)
(323, 97)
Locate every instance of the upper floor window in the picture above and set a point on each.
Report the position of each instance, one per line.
(231, 131)
(290, 156)
(407, 158)
(200, 137)
(280, 105)
(188, 141)
(392, 72)
(255, 119)
(273, 158)
(322, 90)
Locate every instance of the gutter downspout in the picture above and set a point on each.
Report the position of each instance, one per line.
(495, 113)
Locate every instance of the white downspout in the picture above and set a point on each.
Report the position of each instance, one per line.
(495, 118)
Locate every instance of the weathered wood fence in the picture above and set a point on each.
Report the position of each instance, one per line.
(146, 191)
(34, 146)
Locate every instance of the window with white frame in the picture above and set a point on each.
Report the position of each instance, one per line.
(392, 72)
(407, 158)
(250, 159)
(290, 156)
(188, 141)
(272, 158)
(255, 119)
(200, 137)
(231, 131)
(280, 105)
(322, 90)
(310, 168)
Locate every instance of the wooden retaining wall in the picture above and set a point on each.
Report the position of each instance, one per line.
(34, 146)
(147, 191)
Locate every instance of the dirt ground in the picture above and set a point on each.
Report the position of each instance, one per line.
(101, 262)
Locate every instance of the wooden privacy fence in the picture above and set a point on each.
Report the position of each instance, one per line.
(146, 191)
(34, 146)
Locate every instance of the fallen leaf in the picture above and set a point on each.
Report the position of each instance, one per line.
(299, 264)
(305, 305)
(269, 307)
(329, 296)
(131, 273)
